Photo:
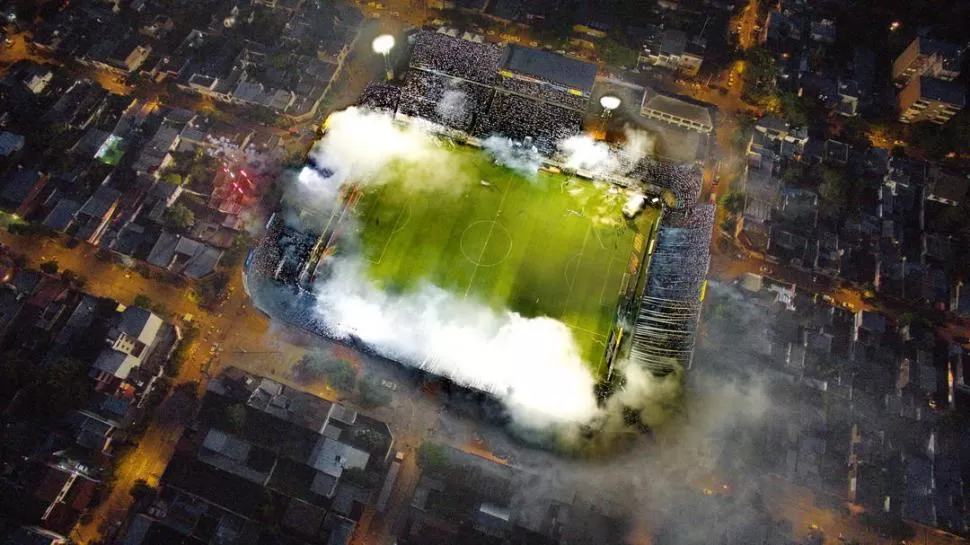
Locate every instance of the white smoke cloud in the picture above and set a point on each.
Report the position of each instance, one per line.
(453, 106)
(582, 152)
(532, 365)
(519, 156)
(360, 145)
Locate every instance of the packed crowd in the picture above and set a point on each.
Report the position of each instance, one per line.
(681, 257)
(683, 180)
(266, 254)
(543, 92)
(517, 117)
(460, 58)
(379, 95)
(447, 101)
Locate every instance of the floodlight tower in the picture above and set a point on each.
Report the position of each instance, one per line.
(609, 103)
(383, 45)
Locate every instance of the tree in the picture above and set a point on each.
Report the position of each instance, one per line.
(760, 77)
(63, 387)
(73, 279)
(432, 457)
(794, 109)
(179, 217)
(834, 188)
(356, 475)
(211, 289)
(143, 301)
(236, 417)
(617, 54)
(199, 172)
(141, 490)
(369, 439)
(373, 395)
(733, 202)
(49, 267)
(318, 366)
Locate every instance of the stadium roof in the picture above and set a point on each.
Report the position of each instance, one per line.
(676, 107)
(550, 67)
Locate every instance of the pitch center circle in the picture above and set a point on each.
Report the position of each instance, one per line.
(486, 243)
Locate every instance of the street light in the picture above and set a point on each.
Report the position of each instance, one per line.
(383, 45)
(609, 103)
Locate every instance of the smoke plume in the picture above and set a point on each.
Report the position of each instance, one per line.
(532, 365)
(522, 157)
(582, 152)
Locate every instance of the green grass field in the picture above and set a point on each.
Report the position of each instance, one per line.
(551, 246)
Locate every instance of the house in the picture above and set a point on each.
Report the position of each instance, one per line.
(927, 57)
(869, 327)
(849, 97)
(155, 155)
(36, 78)
(671, 49)
(21, 191)
(78, 107)
(946, 188)
(822, 31)
(91, 220)
(779, 137)
(184, 255)
(929, 99)
(10, 143)
(131, 342)
(55, 496)
(120, 57)
(34, 535)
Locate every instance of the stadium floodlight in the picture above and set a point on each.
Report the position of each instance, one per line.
(609, 103)
(383, 45)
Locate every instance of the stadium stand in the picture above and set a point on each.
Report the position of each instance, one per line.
(441, 53)
(684, 181)
(670, 307)
(379, 95)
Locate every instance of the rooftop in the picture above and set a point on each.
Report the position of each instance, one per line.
(676, 107)
(548, 66)
(942, 91)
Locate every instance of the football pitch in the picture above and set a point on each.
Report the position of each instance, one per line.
(552, 245)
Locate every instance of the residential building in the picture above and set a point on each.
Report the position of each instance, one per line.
(822, 31)
(33, 535)
(945, 187)
(21, 191)
(10, 143)
(184, 255)
(926, 57)
(130, 343)
(319, 462)
(671, 49)
(91, 220)
(929, 99)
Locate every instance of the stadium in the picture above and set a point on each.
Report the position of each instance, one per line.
(618, 255)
